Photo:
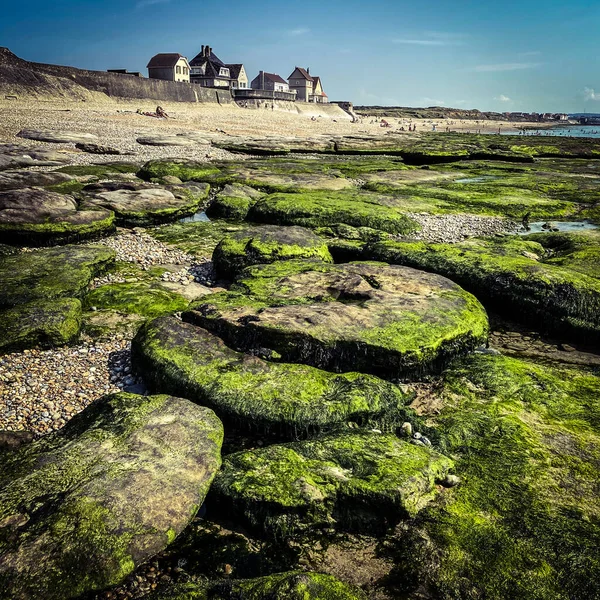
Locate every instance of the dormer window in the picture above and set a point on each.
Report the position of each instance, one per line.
(224, 72)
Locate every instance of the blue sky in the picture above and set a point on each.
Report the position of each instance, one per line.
(529, 55)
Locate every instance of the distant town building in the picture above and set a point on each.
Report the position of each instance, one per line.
(239, 78)
(308, 88)
(301, 82)
(269, 81)
(169, 66)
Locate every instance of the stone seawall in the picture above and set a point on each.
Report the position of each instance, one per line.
(21, 78)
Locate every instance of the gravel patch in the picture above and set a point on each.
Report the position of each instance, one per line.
(40, 390)
(456, 228)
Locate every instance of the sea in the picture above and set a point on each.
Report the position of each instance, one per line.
(591, 131)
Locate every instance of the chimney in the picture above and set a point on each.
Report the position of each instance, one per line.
(202, 52)
(308, 70)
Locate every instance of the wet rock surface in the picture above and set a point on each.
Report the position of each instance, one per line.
(57, 137)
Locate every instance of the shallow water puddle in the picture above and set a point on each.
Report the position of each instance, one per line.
(199, 216)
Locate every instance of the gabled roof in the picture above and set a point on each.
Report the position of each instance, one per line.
(316, 80)
(234, 70)
(302, 72)
(274, 78)
(164, 60)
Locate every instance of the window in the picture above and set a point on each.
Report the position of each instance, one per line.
(178, 70)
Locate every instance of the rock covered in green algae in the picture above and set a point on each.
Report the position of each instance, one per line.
(511, 275)
(354, 481)
(51, 273)
(254, 394)
(81, 508)
(322, 209)
(281, 586)
(151, 205)
(14, 180)
(38, 217)
(40, 323)
(369, 317)
(525, 521)
(233, 202)
(266, 244)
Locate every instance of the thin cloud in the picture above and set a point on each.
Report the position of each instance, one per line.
(505, 67)
(145, 3)
(503, 98)
(298, 31)
(531, 53)
(432, 38)
(433, 102)
(590, 94)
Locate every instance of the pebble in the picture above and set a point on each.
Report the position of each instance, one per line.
(40, 390)
(450, 229)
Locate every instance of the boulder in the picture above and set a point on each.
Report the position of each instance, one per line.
(51, 273)
(96, 149)
(233, 202)
(43, 323)
(369, 317)
(255, 394)
(38, 217)
(281, 586)
(147, 206)
(57, 137)
(14, 180)
(267, 244)
(165, 140)
(354, 482)
(80, 509)
(16, 156)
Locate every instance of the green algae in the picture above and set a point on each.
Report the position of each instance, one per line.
(184, 170)
(379, 319)
(102, 171)
(322, 209)
(267, 244)
(507, 275)
(525, 521)
(253, 394)
(51, 273)
(140, 298)
(353, 482)
(46, 323)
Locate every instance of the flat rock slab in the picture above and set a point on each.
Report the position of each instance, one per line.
(281, 586)
(267, 244)
(14, 180)
(16, 156)
(51, 273)
(80, 509)
(148, 205)
(37, 217)
(370, 317)
(96, 149)
(45, 323)
(166, 140)
(255, 394)
(57, 137)
(506, 274)
(275, 145)
(356, 481)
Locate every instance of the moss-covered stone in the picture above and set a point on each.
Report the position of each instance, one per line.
(508, 275)
(525, 520)
(369, 317)
(43, 323)
(81, 508)
(322, 209)
(102, 171)
(184, 169)
(266, 244)
(147, 299)
(38, 217)
(281, 586)
(51, 273)
(364, 482)
(257, 395)
(233, 202)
